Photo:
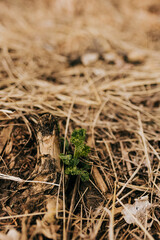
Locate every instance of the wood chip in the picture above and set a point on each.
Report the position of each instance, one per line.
(99, 180)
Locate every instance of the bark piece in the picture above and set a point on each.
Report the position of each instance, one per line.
(48, 142)
(48, 167)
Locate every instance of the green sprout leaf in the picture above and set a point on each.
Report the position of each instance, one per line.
(80, 150)
(85, 151)
(78, 136)
(67, 159)
(77, 139)
(84, 176)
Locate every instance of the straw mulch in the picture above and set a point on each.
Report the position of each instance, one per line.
(115, 96)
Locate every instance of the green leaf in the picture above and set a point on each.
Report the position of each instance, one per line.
(81, 150)
(78, 136)
(72, 171)
(67, 159)
(84, 176)
(75, 161)
(85, 150)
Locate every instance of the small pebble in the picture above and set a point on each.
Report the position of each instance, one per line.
(110, 57)
(136, 56)
(99, 72)
(89, 58)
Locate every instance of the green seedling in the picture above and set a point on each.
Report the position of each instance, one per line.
(71, 161)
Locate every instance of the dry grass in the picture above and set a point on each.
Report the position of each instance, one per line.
(41, 71)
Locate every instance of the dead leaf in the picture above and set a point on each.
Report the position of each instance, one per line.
(99, 180)
(139, 210)
(9, 146)
(12, 234)
(52, 205)
(4, 136)
(49, 231)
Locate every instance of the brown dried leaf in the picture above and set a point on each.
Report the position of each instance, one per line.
(52, 205)
(99, 180)
(4, 136)
(12, 234)
(139, 210)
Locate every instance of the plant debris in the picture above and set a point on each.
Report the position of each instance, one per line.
(139, 210)
(12, 234)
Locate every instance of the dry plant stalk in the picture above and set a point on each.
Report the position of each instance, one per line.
(48, 167)
(48, 145)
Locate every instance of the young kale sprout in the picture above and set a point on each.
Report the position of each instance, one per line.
(71, 161)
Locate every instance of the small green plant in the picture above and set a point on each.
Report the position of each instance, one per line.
(71, 161)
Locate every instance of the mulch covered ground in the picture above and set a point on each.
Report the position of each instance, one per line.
(92, 65)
